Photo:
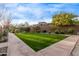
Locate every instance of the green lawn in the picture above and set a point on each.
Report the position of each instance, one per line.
(39, 41)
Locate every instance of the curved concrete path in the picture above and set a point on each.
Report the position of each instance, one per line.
(16, 47)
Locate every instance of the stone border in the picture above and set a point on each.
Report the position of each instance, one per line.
(3, 49)
(3, 44)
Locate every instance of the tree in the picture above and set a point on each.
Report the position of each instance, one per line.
(5, 20)
(23, 27)
(36, 29)
(63, 19)
(26, 24)
(27, 29)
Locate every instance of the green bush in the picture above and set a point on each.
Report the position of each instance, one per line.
(62, 32)
(71, 30)
(65, 31)
(5, 33)
(57, 31)
(0, 35)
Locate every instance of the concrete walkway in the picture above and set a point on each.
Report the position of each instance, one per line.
(16, 47)
(62, 48)
(76, 50)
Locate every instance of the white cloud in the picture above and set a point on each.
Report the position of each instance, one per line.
(56, 5)
(30, 22)
(18, 21)
(53, 9)
(59, 5)
(20, 16)
(23, 9)
(38, 12)
(10, 5)
(35, 11)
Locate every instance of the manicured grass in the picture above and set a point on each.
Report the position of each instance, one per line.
(39, 41)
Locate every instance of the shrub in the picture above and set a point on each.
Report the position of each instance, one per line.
(62, 32)
(5, 33)
(57, 31)
(65, 31)
(0, 35)
(71, 30)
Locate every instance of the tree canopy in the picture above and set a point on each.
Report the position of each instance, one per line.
(63, 19)
(5, 18)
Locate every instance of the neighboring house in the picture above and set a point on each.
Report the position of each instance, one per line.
(43, 27)
(75, 18)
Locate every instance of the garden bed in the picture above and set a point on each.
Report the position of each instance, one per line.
(3, 37)
(3, 51)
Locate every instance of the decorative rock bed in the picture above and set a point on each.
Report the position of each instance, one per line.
(3, 40)
(3, 51)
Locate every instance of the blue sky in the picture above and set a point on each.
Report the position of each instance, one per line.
(37, 12)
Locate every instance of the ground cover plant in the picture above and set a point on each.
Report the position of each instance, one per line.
(39, 41)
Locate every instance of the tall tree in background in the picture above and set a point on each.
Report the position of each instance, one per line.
(63, 19)
(5, 18)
